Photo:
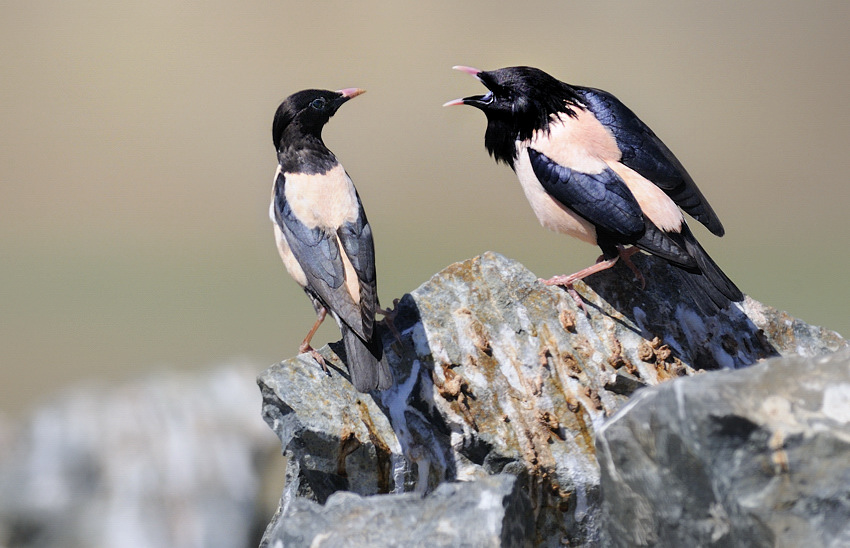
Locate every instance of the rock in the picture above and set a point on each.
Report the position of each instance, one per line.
(171, 460)
(497, 373)
(492, 511)
(758, 457)
(334, 437)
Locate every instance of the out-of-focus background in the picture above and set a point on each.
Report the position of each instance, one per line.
(136, 159)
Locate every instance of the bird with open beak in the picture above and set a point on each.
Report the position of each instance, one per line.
(322, 233)
(590, 168)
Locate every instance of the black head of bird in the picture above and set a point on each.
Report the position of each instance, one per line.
(305, 113)
(520, 101)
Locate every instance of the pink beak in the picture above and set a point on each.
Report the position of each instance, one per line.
(351, 92)
(469, 70)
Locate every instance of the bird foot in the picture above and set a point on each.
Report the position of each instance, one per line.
(307, 349)
(567, 281)
(564, 280)
(577, 298)
(389, 315)
(626, 256)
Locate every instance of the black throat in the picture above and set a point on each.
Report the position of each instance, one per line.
(305, 154)
(500, 140)
(529, 115)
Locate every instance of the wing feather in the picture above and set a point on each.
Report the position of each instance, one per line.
(645, 153)
(318, 252)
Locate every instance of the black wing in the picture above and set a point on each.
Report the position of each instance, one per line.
(604, 200)
(356, 239)
(645, 153)
(318, 253)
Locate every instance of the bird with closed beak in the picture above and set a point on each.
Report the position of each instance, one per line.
(590, 168)
(322, 233)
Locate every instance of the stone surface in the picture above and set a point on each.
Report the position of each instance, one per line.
(495, 372)
(171, 460)
(758, 457)
(489, 512)
(334, 438)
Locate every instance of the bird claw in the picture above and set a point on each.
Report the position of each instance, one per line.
(564, 280)
(567, 283)
(389, 315)
(307, 349)
(577, 298)
(626, 256)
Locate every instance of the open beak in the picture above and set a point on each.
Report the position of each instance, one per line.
(472, 100)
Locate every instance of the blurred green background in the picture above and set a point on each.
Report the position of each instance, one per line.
(136, 158)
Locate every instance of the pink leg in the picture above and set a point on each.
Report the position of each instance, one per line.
(626, 255)
(601, 264)
(568, 281)
(305, 344)
(389, 318)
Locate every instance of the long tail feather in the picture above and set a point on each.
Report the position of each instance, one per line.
(366, 360)
(710, 282)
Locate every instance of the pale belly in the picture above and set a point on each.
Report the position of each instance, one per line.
(551, 213)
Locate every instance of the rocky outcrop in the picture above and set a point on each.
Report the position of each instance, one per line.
(759, 457)
(493, 511)
(496, 373)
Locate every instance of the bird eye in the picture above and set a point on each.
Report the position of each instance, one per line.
(318, 104)
(488, 98)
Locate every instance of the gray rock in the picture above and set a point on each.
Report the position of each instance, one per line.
(757, 457)
(171, 460)
(495, 372)
(334, 438)
(491, 511)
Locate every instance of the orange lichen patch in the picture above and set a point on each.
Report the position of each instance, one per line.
(543, 356)
(348, 444)
(454, 385)
(778, 455)
(549, 420)
(476, 332)
(593, 396)
(583, 431)
(567, 319)
(663, 353)
(571, 365)
(661, 356)
(646, 352)
(583, 347)
(617, 360)
(456, 389)
(382, 450)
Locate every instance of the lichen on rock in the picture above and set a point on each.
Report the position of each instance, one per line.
(498, 373)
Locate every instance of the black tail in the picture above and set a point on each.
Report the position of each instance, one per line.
(366, 361)
(712, 289)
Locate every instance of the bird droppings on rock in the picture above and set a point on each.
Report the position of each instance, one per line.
(489, 378)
